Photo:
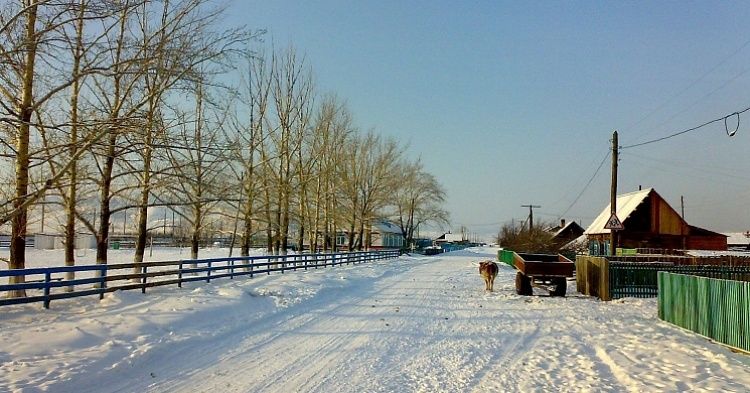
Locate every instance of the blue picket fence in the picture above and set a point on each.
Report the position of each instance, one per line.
(47, 284)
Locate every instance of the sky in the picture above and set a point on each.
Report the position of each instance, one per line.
(412, 324)
(514, 103)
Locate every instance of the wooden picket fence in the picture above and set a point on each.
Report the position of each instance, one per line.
(714, 308)
(47, 284)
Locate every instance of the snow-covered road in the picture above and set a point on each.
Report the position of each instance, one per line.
(409, 325)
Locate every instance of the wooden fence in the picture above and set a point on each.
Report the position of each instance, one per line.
(714, 308)
(592, 276)
(47, 284)
(637, 277)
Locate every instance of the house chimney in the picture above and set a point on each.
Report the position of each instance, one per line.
(562, 223)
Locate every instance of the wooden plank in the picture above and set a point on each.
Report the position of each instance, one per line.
(556, 269)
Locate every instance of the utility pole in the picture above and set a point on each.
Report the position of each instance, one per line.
(531, 215)
(613, 194)
(682, 206)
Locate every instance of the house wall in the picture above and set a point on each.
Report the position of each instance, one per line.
(379, 240)
(666, 220)
(387, 240)
(707, 243)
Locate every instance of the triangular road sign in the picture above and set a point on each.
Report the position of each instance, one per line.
(614, 223)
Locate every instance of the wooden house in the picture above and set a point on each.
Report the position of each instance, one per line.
(649, 222)
(565, 232)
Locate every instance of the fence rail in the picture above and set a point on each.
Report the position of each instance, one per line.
(47, 284)
(714, 308)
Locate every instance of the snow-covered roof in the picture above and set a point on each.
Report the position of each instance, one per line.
(737, 238)
(386, 227)
(559, 230)
(577, 242)
(626, 204)
(452, 237)
(710, 253)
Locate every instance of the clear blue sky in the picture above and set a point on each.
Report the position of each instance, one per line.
(511, 103)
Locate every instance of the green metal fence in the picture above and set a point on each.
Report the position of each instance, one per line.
(640, 280)
(715, 308)
(506, 257)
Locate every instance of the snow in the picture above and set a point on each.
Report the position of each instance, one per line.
(413, 324)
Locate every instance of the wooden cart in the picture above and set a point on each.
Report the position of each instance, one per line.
(548, 271)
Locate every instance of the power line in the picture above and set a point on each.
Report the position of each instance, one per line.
(724, 119)
(587, 184)
(720, 171)
(688, 88)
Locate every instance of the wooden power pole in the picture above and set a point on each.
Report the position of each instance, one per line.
(613, 194)
(531, 215)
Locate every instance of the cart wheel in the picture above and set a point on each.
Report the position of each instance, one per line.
(561, 286)
(523, 284)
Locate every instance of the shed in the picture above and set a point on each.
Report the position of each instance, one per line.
(650, 222)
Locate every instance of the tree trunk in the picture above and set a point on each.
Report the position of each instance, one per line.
(70, 203)
(140, 242)
(247, 214)
(19, 222)
(246, 235)
(196, 235)
(104, 205)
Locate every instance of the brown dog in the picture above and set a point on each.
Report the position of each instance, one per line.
(488, 271)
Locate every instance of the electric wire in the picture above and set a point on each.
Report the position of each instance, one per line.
(697, 102)
(715, 171)
(688, 88)
(587, 184)
(723, 118)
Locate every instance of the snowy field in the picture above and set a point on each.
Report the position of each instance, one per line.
(414, 324)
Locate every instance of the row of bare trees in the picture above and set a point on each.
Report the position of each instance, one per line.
(306, 173)
(128, 105)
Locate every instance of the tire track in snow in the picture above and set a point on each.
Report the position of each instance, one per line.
(271, 359)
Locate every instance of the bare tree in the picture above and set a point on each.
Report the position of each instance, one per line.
(367, 177)
(182, 45)
(200, 167)
(418, 199)
(535, 239)
(248, 134)
(333, 126)
(291, 92)
(33, 73)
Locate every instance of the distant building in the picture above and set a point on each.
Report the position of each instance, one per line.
(649, 223)
(565, 232)
(738, 241)
(383, 235)
(451, 238)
